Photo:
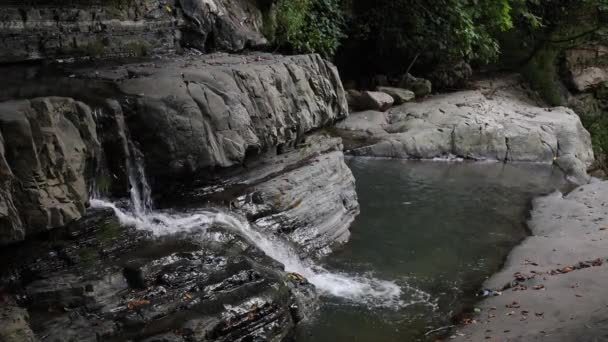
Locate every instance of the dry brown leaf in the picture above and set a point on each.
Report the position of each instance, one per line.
(132, 304)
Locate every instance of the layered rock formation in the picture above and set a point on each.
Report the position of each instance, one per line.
(306, 194)
(49, 150)
(496, 122)
(202, 120)
(232, 131)
(99, 281)
(237, 132)
(94, 28)
(196, 114)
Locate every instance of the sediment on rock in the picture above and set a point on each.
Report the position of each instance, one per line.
(553, 283)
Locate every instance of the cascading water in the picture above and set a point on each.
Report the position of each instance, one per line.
(361, 289)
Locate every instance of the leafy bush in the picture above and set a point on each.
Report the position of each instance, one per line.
(305, 26)
(390, 34)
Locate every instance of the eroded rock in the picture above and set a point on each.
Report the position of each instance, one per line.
(49, 149)
(306, 194)
(193, 115)
(95, 280)
(92, 28)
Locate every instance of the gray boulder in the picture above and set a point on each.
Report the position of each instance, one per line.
(369, 100)
(420, 86)
(223, 25)
(584, 66)
(589, 78)
(49, 149)
(399, 95)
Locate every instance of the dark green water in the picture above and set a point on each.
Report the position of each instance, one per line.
(437, 229)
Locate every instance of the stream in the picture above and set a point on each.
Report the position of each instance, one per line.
(428, 235)
(438, 230)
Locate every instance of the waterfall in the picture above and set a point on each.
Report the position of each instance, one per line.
(359, 289)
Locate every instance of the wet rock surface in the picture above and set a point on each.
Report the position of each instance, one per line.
(48, 149)
(306, 194)
(496, 122)
(552, 285)
(201, 121)
(95, 280)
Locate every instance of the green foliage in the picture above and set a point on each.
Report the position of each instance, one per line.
(305, 26)
(391, 33)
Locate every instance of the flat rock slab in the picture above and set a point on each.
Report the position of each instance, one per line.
(554, 284)
(495, 122)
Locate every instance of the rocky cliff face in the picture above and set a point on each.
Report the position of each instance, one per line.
(240, 133)
(44, 29)
(202, 121)
(196, 114)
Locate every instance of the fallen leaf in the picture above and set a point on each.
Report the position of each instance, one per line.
(514, 305)
(539, 287)
(511, 313)
(132, 304)
(520, 287)
(567, 269)
(468, 321)
(539, 314)
(578, 295)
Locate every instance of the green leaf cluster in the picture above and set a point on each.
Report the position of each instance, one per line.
(305, 26)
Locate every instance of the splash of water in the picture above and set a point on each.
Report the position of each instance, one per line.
(359, 289)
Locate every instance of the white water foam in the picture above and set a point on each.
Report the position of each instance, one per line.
(359, 289)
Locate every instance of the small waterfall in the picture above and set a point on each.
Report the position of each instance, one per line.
(359, 289)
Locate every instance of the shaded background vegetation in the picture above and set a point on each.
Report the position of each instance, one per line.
(390, 37)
